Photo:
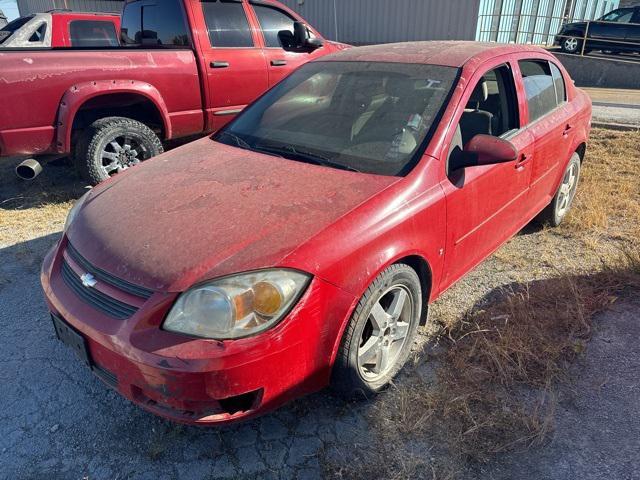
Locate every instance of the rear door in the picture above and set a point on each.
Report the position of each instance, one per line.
(273, 22)
(633, 32)
(550, 118)
(486, 204)
(235, 65)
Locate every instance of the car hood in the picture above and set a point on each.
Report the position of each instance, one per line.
(205, 210)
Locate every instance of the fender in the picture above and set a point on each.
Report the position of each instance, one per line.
(79, 94)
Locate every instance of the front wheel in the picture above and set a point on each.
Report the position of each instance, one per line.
(112, 144)
(379, 336)
(557, 210)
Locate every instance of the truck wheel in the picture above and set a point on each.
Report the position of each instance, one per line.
(378, 339)
(112, 144)
(557, 210)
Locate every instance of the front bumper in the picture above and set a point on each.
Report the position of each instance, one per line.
(201, 381)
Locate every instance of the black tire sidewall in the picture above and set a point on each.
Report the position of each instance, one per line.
(100, 133)
(346, 370)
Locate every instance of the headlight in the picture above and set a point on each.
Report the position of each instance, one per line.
(236, 306)
(74, 211)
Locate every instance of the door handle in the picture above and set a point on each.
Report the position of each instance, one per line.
(278, 63)
(567, 129)
(218, 64)
(522, 161)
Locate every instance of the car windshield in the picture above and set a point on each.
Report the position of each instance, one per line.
(9, 28)
(363, 116)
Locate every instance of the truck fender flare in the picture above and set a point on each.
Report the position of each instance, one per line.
(78, 94)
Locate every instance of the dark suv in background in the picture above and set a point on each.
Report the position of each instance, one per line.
(617, 31)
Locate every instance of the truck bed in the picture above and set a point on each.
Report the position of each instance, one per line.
(34, 82)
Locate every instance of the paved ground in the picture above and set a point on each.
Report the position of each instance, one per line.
(615, 106)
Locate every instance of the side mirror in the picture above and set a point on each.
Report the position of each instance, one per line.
(486, 150)
(303, 39)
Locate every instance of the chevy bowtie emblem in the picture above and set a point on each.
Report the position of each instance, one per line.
(88, 280)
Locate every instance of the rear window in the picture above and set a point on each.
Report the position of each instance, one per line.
(227, 24)
(539, 87)
(93, 33)
(158, 23)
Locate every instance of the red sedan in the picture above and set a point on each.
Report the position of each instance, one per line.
(301, 245)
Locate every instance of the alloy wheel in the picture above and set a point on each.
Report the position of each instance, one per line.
(571, 44)
(123, 152)
(385, 333)
(567, 189)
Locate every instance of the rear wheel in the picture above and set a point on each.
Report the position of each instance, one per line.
(113, 144)
(562, 201)
(378, 339)
(571, 44)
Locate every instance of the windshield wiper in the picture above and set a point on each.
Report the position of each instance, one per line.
(239, 141)
(289, 150)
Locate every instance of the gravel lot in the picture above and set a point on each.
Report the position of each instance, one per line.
(58, 421)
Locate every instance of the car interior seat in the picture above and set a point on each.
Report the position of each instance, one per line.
(475, 121)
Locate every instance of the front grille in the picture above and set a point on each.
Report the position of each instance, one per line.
(106, 304)
(106, 277)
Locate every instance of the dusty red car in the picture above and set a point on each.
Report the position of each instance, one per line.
(301, 244)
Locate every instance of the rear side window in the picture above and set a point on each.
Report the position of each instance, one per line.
(558, 81)
(38, 35)
(154, 23)
(539, 87)
(227, 24)
(272, 22)
(92, 33)
(9, 28)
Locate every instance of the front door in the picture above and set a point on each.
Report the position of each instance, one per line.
(609, 31)
(486, 204)
(281, 60)
(236, 66)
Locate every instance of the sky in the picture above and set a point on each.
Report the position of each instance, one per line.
(10, 8)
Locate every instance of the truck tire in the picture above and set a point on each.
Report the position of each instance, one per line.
(378, 339)
(112, 144)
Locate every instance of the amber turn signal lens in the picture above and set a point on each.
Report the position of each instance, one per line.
(267, 299)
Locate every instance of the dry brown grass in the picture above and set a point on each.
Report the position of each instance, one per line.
(498, 367)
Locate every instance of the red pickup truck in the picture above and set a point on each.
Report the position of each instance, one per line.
(61, 28)
(184, 67)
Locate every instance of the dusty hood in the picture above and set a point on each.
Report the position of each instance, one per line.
(206, 210)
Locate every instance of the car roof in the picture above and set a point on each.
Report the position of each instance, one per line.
(445, 53)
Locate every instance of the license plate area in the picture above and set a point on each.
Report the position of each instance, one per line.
(72, 338)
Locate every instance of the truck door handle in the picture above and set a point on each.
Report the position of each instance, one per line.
(522, 161)
(278, 63)
(218, 64)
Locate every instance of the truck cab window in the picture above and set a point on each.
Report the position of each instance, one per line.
(154, 24)
(272, 22)
(227, 24)
(92, 33)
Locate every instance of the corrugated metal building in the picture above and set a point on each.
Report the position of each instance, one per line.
(379, 21)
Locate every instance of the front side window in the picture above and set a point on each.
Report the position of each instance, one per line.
(227, 24)
(371, 117)
(622, 15)
(276, 25)
(92, 33)
(539, 87)
(154, 23)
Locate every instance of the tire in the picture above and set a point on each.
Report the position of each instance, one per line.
(362, 368)
(557, 210)
(96, 156)
(571, 44)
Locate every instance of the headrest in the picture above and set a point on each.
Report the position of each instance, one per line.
(480, 93)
